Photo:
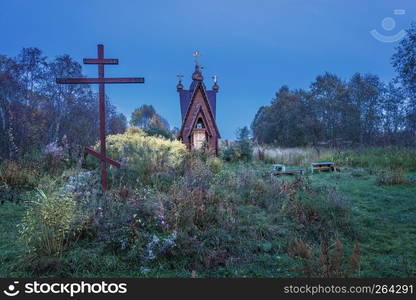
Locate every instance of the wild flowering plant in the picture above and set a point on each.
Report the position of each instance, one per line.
(82, 186)
(158, 245)
(53, 155)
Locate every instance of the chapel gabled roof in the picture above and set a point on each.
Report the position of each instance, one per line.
(198, 111)
(199, 85)
(186, 95)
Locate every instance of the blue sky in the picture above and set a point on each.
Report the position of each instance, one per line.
(254, 47)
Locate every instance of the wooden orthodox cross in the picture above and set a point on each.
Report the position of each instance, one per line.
(101, 61)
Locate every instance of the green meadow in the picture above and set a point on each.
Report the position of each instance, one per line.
(172, 213)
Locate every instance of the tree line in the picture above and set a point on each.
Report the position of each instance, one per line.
(35, 111)
(359, 111)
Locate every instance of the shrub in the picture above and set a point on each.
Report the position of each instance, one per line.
(51, 223)
(391, 177)
(113, 223)
(228, 153)
(190, 197)
(317, 210)
(53, 156)
(251, 186)
(142, 156)
(15, 176)
(241, 149)
(357, 173)
(198, 210)
(329, 261)
(215, 165)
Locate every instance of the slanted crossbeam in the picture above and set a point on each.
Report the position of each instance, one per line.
(102, 157)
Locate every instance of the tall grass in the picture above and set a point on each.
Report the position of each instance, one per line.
(50, 223)
(377, 158)
(291, 156)
(392, 177)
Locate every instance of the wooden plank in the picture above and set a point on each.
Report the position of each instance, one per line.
(102, 158)
(99, 80)
(100, 61)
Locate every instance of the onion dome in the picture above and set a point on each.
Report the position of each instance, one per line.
(197, 75)
(180, 85)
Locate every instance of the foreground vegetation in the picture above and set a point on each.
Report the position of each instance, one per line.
(170, 213)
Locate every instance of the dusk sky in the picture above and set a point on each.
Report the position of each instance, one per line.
(254, 47)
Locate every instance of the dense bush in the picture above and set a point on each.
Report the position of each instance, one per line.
(142, 156)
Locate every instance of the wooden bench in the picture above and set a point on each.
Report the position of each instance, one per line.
(322, 166)
(291, 172)
(279, 169)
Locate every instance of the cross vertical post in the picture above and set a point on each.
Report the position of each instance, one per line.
(101, 93)
(101, 81)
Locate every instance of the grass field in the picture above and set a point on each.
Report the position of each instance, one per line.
(385, 216)
(381, 219)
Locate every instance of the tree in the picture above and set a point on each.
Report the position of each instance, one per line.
(330, 105)
(314, 129)
(244, 144)
(241, 149)
(142, 116)
(9, 89)
(393, 113)
(404, 62)
(61, 96)
(261, 126)
(35, 111)
(282, 122)
(333, 112)
(365, 99)
(146, 118)
(117, 124)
